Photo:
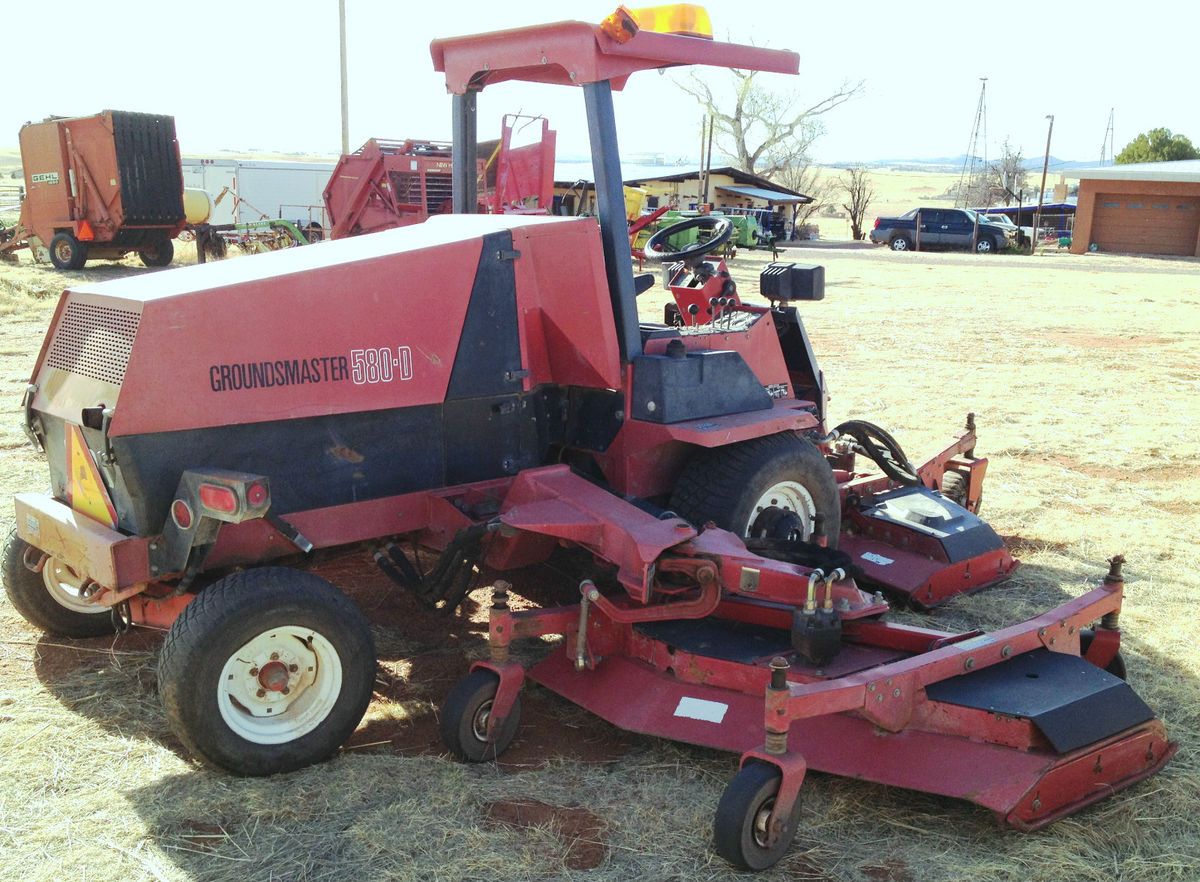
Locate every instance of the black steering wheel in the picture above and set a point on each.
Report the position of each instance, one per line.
(722, 229)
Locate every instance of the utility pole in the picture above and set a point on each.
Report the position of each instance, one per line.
(1037, 217)
(708, 158)
(345, 87)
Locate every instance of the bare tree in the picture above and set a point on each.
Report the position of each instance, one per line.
(763, 131)
(859, 193)
(1006, 176)
(802, 176)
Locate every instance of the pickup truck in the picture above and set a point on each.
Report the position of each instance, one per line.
(942, 228)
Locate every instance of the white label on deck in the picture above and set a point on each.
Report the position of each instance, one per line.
(699, 709)
(877, 558)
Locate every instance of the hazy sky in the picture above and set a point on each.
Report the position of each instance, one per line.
(264, 75)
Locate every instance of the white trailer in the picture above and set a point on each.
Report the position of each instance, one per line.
(245, 190)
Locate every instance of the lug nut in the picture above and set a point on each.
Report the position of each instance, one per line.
(293, 668)
(274, 656)
(254, 672)
(262, 693)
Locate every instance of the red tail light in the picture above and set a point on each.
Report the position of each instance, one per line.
(218, 498)
(256, 494)
(181, 513)
(877, 223)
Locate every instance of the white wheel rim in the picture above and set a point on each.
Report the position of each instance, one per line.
(788, 496)
(65, 586)
(254, 704)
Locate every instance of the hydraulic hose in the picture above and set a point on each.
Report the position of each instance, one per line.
(882, 449)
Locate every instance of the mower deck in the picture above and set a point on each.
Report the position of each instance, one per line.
(1017, 721)
(1005, 779)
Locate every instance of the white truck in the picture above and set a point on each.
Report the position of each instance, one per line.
(245, 190)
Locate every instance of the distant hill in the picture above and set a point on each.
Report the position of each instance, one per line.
(955, 163)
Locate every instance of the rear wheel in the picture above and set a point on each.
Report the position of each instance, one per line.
(158, 253)
(901, 243)
(740, 827)
(51, 599)
(465, 714)
(67, 252)
(769, 487)
(267, 671)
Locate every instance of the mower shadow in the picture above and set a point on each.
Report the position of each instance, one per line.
(422, 652)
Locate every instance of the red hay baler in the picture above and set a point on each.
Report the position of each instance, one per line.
(481, 387)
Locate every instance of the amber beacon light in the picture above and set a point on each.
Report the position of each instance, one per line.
(682, 19)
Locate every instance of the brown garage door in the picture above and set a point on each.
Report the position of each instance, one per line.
(1146, 224)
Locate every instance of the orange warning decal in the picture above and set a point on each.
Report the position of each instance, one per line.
(85, 490)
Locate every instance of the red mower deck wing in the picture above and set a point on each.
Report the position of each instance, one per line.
(1027, 789)
(571, 53)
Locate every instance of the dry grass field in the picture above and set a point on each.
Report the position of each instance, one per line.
(1085, 376)
(895, 193)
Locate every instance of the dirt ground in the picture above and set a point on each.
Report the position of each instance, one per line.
(1084, 374)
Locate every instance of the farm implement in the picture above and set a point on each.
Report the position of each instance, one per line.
(480, 387)
(386, 184)
(99, 186)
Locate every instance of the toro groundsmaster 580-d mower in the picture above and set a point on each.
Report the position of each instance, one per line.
(480, 386)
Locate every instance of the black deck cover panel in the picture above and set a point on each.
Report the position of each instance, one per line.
(1073, 702)
(720, 639)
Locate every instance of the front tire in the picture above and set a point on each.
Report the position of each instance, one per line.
(768, 487)
(464, 719)
(67, 252)
(267, 671)
(50, 600)
(985, 246)
(740, 824)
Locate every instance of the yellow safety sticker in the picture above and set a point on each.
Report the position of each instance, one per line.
(85, 490)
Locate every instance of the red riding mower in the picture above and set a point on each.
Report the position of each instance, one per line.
(481, 386)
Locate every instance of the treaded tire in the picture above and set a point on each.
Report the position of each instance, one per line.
(954, 487)
(28, 594)
(222, 619)
(748, 795)
(157, 253)
(722, 484)
(465, 709)
(901, 243)
(67, 252)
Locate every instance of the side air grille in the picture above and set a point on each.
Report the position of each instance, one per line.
(94, 341)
